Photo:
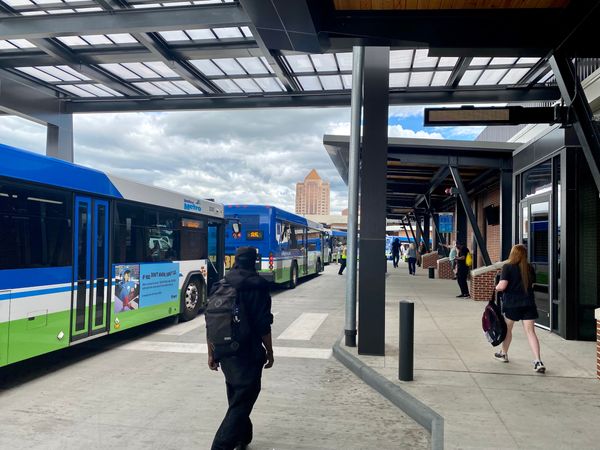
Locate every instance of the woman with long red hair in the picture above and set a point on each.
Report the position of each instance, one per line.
(518, 304)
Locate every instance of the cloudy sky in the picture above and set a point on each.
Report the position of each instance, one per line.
(254, 156)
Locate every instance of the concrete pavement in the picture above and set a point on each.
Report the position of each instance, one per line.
(485, 403)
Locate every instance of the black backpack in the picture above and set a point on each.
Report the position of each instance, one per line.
(493, 323)
(227, 327)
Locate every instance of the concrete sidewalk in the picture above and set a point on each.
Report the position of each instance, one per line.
(485, 403)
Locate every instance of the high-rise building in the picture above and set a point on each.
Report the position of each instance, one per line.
(312, 196)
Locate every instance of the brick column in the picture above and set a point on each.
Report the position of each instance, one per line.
(482, 281)
(598, 343)
(430, 260)
(445, 269)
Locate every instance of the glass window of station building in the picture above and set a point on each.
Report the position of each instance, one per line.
(557, 216)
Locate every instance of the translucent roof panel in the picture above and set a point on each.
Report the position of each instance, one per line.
(95, 89)
(171, 36)
(447, 61)
(39, 74)
(162, 69)
(324, 63)
(187, 87)
(21, 43)
(331, 82)
(344, 61)
(469, 78)
(528, 60)
(207, 67)
(72, 41)
(120, 71)
(422, 60)
(248, 85)
(347, 80)
(252, 65)
(97, 39)
(440, 78)
(122, 38)
(229, 65)
(502, 61)
(310, 83)
(420, 79)
(401, 59)
(300, 63)
(231, 32)
(513, 76)
(228, 86)
(201, 34)
(59, 73)
(141, 70)
(269, 84)
(491, 77)
(398, 80)
(480, 61)
(169, 87)
(150, 88)
(76, 90)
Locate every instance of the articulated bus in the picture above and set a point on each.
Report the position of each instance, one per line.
(289, 246)
(84, 254)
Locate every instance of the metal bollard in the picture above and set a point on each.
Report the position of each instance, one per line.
(431, 272)
(406, 341)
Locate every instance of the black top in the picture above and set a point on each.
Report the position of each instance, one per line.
(514, 295)
(461, 264)
(396, 247)
(254, 294)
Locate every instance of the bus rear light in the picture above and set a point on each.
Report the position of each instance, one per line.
(270, 261)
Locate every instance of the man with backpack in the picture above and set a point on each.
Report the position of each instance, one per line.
(238, 330)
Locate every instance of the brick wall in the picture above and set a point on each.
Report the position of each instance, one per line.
(430, 260)
(491, 233)
(598, 343)
(483, 282)
(445, 269)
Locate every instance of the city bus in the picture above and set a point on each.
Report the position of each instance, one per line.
(334, 241)
(289, 246)
(84, 254)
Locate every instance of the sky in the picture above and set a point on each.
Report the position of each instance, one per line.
(242, 156)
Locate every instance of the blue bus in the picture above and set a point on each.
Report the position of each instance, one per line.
(334, 240)
(289, 246)
(84, 254)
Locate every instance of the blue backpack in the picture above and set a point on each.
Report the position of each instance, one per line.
(493, 323)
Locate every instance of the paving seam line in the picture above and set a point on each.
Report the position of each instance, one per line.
(418, 411)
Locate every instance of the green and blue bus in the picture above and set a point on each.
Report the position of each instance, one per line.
(289, 246)
(84, 254)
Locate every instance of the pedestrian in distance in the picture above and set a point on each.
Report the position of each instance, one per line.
(518, 303)
(452, 258)
(420, 253)
(243, 369)
(412, 259)
(342, 260)
(462, 270)
(396, 252)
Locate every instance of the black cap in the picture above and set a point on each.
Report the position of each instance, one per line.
(246, 256)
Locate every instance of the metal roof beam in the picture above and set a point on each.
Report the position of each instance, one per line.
(458, 72)
(437, 179)
(309, 99)
(123, 21)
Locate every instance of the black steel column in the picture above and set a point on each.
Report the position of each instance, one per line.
(461, 223)
(373, 181)
(426, 231)
(574, 96)
(464, 198)
(506, 212)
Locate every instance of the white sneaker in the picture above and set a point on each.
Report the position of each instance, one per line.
(539, 367)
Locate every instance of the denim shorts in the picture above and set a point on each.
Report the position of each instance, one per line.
(521, 313)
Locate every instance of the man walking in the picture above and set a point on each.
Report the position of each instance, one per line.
(243, 371)
(342, 261)
(396, 252)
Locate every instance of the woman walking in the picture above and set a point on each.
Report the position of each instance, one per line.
(462, 270)
(516, 285)
(412, 259)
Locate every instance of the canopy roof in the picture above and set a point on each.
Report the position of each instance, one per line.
(126, 55)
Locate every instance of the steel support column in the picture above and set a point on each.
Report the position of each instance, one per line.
(353, 185)
(371, 286)
(574, 97)
(506, 212)
(464, 198)
(425, 232)
(59, 139)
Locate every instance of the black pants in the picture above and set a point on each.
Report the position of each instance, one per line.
(242, 379)
(412, 263)
(395, 259)
(342, 265)
(461, 279)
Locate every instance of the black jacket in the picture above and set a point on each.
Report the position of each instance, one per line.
(254, 295)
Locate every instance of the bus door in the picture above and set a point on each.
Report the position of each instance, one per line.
(91, 268)
(216, 252)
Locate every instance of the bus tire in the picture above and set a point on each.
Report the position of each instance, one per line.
(293, 275)
(193, 299)
(319, 268)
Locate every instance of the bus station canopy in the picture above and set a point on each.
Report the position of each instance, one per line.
(417, 168)
(136, 55)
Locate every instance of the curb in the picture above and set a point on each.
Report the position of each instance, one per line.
(418, 411)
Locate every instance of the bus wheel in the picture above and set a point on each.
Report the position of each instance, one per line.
(293, 276)
(194, 299)
(319, 269)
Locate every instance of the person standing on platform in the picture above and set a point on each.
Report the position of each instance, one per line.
(452, 258)
(462, 270)
(518, 303)
(342, 260)
(412, 259)
(396, 252)
(420, 253)
(243, 370)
